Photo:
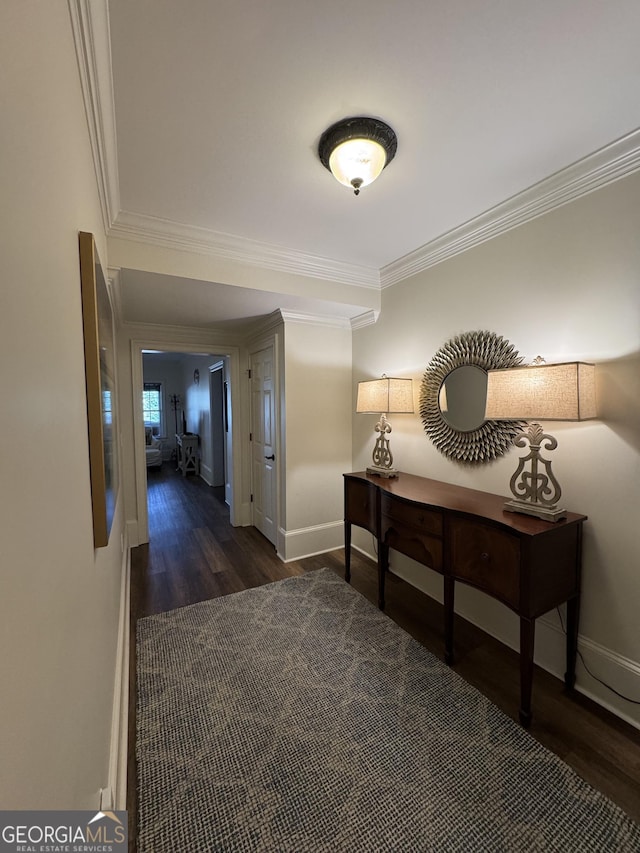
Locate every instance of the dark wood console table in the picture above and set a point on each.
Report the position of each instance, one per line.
(528, 564)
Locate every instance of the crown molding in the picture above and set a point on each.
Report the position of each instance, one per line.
(182, 335)
(369, 318)
(115, 291)
(609, 164)
(92, 41)
(190, 238)
(263, 325)
(315, 319)
(280, 316)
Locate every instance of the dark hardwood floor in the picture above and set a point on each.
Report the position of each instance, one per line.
(194, 554)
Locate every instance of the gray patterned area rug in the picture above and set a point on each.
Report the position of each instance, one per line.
(297, 717)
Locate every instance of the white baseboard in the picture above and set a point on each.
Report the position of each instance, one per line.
(623, 674)
(364, 552)
(206, 474)
(132, 533)
(308, 541)
(116, 790)
(246, 519)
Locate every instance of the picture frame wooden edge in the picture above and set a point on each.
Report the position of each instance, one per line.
(90, 321)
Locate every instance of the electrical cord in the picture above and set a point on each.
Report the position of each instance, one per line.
(578, 652)
(595, 677)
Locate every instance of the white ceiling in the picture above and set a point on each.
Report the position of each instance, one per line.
(219, 107)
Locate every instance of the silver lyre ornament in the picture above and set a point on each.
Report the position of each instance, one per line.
(535, 491)
(382, 456)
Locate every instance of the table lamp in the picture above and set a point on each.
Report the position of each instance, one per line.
(384, 396)
(552, 392)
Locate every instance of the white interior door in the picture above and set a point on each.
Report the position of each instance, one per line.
(263, 440)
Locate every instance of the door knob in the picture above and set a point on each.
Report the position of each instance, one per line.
(270, 457)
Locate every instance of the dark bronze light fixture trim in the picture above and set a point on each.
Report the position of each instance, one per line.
(357, 128)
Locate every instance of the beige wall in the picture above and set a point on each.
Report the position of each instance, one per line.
(58, 597)
(199, 415)
(565, 286)
(317, 380)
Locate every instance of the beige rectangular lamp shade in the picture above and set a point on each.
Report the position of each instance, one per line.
(386, 395)
(550, 392)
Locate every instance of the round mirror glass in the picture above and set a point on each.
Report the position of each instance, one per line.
(463, 396)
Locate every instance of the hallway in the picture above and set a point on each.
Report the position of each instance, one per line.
(194, 553)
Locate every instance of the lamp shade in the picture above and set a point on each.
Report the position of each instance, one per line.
(551, 392)
(388, 395)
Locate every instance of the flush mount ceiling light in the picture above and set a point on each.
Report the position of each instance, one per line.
(356, 150)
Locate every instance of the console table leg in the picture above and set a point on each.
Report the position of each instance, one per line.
(573, 615)
(449, 590)
(347, 551)
(383, 565)
(527, 642)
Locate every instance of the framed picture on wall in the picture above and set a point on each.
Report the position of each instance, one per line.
(99, 359)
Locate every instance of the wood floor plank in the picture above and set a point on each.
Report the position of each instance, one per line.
(195, 554)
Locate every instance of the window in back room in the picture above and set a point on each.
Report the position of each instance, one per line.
(152, 407)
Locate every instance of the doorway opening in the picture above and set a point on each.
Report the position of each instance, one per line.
(183, 402)
(185, 414)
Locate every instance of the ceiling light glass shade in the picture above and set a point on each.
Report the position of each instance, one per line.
(356, 150)
(357, 162)
(549, 392)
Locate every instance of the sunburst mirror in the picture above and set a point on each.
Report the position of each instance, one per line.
(452, 398)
